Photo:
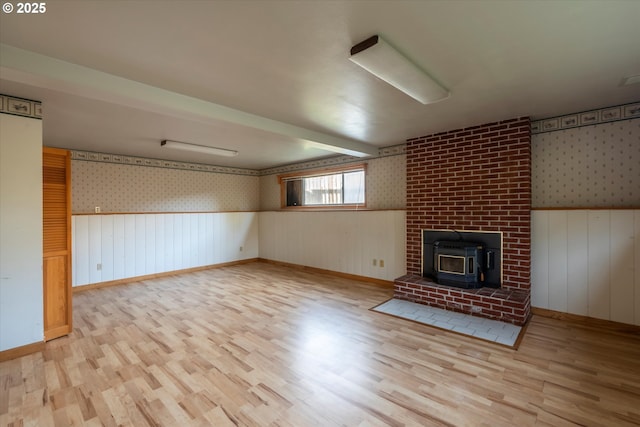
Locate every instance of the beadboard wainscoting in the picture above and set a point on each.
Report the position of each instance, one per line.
(120, 246)
(587, 262)
(341, 241)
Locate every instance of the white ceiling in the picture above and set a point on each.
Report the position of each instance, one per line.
(272, 79)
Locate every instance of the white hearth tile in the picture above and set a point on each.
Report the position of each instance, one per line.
(462, 330)
(443, 325)
(438, 317)
(463, 321)
(486, 335)
(479, 327)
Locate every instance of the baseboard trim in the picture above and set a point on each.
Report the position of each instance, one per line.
(25, 350)
(134, 279)
(372, 280)
(609, 325)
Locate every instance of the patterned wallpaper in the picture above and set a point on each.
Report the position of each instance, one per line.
(385, 182)
(269, 193)
(132, 184)
(590, 166)
(130, 188)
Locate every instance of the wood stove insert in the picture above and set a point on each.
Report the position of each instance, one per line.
(462, 259)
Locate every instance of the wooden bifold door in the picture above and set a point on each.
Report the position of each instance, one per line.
(56, 217)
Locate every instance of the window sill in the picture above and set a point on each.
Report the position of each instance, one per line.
(326, 208)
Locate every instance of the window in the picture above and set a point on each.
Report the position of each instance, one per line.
(339, 187)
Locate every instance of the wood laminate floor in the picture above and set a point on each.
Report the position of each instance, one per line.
(264, 345)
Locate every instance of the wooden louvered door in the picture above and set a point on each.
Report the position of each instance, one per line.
(56, 206)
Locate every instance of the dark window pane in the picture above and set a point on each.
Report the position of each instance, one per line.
(294, 193)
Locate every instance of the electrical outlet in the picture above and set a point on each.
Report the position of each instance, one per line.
(99, 267)
(97, 209)
(381, 263)
(375, 262)
(241, 248)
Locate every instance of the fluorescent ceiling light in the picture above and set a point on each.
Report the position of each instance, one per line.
(383, 61)
(198, 148)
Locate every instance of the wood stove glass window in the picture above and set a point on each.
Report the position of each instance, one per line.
(451, 264)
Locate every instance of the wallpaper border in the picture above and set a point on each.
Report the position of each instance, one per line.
(20, 107)
(394, 150)
(91, 156)
(587, 118)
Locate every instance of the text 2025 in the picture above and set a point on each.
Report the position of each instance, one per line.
(31, 7)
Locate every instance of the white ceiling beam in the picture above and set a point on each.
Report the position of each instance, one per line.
(38, 70)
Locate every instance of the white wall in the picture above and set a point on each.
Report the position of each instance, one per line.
(587, 262)
(130, 245)
(342, 241)
(21, 292)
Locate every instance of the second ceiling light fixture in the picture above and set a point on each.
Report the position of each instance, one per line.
(382, 60)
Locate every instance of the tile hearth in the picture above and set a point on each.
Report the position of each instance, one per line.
(478, 327)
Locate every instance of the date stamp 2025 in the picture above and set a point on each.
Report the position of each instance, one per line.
(25, 8)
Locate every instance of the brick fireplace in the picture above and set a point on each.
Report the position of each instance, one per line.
(477, 178)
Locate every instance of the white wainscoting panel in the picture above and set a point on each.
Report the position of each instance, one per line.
(113, 247)
(558, 295)
(341, 241)
(622, 270)
(577, 274)
(598, 264)
(587, 262)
